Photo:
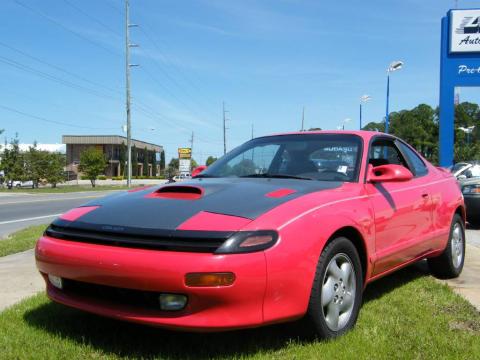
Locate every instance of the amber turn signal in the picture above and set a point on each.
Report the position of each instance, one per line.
(209, 279)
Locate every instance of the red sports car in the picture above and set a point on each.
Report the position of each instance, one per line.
(283, 227)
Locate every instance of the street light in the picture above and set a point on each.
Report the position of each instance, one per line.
(468, 131)
(363, 100)
(347, 120)
(394, 66)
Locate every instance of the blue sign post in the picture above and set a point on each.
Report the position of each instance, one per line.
(459, 66)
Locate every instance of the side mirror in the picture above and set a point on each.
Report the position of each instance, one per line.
(198, 170)
(390, 172)
(462, 177)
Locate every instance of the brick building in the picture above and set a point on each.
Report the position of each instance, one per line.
(114, 148)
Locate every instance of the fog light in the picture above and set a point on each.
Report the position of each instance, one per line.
(56, 281)
(170, 302)
(209, 279)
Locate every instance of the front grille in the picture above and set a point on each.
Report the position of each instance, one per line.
(186, 241)
(121, 296)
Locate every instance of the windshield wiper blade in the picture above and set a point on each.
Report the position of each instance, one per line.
(275, 176)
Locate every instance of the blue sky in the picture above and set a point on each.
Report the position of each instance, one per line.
(63, 61)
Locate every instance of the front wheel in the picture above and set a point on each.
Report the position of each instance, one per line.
(450, 263)
(336, 294)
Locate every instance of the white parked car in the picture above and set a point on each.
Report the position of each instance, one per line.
(21, 184)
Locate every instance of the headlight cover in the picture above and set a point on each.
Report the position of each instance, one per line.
(248, 241)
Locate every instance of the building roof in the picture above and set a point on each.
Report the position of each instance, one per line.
(108, 140)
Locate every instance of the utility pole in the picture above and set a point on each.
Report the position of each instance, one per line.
(127, 85)
(252, 131)
(191, 151)
(224, 129)
(303, 119)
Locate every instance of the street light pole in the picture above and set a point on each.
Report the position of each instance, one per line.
(363, 100)
(394, 66)
(388, 100)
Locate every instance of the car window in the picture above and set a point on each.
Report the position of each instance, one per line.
(324, 157)
(419, 167)
(384, 152)
(471, 172)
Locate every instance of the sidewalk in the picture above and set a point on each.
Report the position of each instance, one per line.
(467, 284)
(19, 278)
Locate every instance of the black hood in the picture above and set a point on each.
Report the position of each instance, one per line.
(229, 196)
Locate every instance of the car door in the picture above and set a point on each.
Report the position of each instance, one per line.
(403, 214)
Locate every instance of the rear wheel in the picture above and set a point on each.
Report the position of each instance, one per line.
(337, 290)
(450, 263)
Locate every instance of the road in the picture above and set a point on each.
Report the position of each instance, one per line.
(19, 210)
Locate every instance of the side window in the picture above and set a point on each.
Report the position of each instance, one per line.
(419, 166)
(384, 152)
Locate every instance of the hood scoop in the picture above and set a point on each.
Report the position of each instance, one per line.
(178, 192)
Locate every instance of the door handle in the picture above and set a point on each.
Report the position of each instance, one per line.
(424, 195)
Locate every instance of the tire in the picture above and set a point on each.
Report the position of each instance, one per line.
(18, 186)
(449, 264)
(341, 298)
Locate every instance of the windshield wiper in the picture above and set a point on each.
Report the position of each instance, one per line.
(275, 176)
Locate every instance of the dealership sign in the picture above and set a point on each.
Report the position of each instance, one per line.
(464, 31)
(184, 153)
(459, 67)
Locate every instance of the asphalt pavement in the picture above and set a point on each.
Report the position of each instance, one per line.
(19, 210)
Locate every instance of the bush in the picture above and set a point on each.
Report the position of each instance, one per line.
(117, 177)
(101, 177)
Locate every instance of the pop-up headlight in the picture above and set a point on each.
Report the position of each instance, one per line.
(248, 241)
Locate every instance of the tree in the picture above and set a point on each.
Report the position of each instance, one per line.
(134, 161)
(122, 158)
(210, 160)
(54, 164)
(314, 129)
(34, 164)
(12, 162)
(172, 169)
(193, 164)
(374, 126)
(153, 161)
(162, 160)
(145, 162)
(92, 164)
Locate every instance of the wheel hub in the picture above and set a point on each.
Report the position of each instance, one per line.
(338, 292)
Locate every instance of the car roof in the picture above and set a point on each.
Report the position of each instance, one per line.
(364, 134)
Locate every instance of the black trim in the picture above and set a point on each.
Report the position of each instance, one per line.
(407, 158)
(115, 295)
(180, 240)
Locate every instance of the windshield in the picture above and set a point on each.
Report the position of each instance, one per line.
(327, 157)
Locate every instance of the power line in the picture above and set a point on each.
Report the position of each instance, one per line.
(172, 62)
(187, 107)
(49, 120)
(94, 19)
(56, 67)
(53, 78)
(172, 66)
(77, 34)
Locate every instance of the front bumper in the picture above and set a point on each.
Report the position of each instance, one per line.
(239, 305)
(472, 204)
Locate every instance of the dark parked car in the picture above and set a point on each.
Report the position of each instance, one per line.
(468, 175)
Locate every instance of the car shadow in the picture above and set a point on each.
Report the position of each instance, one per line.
(132, 340)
